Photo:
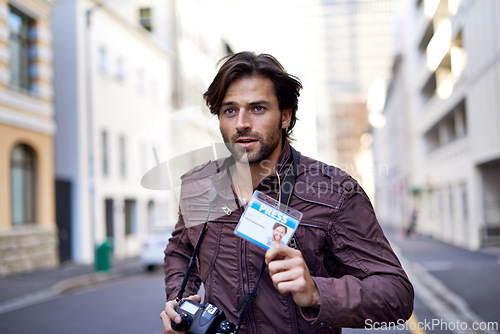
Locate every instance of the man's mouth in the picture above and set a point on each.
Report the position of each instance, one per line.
(246, 141)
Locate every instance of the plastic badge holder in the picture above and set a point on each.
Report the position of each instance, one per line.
(263, 217)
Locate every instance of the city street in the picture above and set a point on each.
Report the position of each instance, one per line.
(125, 305)
(455, 290)
(119, 119)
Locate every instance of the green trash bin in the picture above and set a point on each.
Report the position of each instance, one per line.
(103, 256)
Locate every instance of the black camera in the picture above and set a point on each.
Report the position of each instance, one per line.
(201, 319)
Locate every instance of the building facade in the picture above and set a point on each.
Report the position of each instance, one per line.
(28, 231)
(112, 81)
(441, 140)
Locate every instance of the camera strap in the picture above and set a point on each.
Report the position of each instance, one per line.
(286, 194)
(248, 299)
(289, 181)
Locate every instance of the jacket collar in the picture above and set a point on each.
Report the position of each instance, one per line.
(284, 159)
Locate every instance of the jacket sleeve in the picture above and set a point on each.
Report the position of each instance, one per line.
(372, 286)
(177, 254)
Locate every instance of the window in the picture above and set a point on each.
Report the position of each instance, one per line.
(451, 206)
(151, 215)
(110, 217)
(130, 217)
(22, 178)
(103, 60)
(461, 119)
(120, 70)
(465, 203)
(105, 153)
(448, 129)
(19, 44)
(145, 18)
(123, 157)
(429, 88)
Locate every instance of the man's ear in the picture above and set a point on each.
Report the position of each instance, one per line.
(286, 118)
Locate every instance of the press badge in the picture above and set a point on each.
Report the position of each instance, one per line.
(266, 222)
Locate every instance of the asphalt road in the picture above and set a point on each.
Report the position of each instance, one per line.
(127, 305)
(131, 304)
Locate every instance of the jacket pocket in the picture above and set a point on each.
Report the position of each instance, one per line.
(311, 241)
(197, 213)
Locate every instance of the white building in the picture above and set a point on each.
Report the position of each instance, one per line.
(199, 46)
(441, 141)
(112, 79)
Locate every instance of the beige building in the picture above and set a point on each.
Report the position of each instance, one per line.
(28, 231)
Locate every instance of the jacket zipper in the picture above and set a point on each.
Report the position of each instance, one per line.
(245, 287)
(199, 207)
(336, 207)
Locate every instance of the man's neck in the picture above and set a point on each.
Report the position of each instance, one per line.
(248, 176)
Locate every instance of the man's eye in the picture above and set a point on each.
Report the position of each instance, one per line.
(258, 109)
(229, 112)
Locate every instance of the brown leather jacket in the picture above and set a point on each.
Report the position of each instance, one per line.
(357, 274)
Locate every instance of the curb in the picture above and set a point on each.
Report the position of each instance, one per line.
(444, 303)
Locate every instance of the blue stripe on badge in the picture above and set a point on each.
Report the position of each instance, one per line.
(290, 221)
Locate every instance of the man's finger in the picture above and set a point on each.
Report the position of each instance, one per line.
(170, 307)
(167, 323)
(295, 286)
(195, 298)
(280, 250)
(277, 266)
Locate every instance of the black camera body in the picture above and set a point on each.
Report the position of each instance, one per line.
(201, 319)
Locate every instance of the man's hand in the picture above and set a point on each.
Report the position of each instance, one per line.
(170, 314)
(290, 274)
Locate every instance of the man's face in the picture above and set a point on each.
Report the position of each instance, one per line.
(250, 120)
(278, 234)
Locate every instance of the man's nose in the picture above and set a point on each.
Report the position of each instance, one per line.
(244, 121)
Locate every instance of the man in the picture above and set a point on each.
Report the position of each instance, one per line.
(340, 271)
(279, 232)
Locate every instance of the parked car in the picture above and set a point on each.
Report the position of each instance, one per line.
(154, 245)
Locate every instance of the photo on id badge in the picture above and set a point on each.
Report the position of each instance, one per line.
(266, 223)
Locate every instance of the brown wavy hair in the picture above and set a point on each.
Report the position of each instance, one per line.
(244, 64)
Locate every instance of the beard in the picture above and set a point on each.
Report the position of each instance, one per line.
(268, 143)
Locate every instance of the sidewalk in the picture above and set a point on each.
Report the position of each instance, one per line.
(21, 290)
(454, 283)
